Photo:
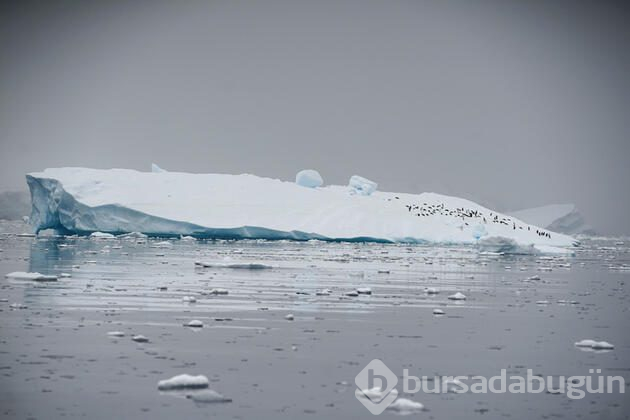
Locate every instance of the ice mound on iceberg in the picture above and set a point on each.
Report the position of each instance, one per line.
(361, 186)
(309, 178)
(118, 201)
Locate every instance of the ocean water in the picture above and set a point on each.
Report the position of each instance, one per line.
(521, 312)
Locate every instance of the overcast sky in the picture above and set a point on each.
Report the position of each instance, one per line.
(512, 103)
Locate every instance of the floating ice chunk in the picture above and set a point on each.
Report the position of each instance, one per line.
(431, 291)
(22, 275)
(218, 291)
(374, 394)
(364, 291)
(533, 278)
(189, 299)
(602, 345)
(140, 339)
(244, 266)
(163, 244)
(102, 235)
(457, 296)
(289, 317)
(595, 345)
(65, 275)
(116, 334)
(361, 186)
(17, 306)
(195, 323)
(323, 292)
(156, 169)
(309, 178)
(438, 312)
(208, 396)
(404, 406)
(183, 381)
(353, 293)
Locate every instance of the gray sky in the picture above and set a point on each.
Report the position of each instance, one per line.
(514, 104)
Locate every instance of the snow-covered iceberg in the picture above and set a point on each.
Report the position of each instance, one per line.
(80, 200)
(561, 218)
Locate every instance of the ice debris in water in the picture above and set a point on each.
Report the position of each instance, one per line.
(404, 407)
(140, 339)
(116, 334)
(595, 345)
(183, 381)
(431, 291)
(195, 323)
(22, 275)
(438, 312)
(101, 235)
(218, 291)
(309, 178)
(189, 299)
(208, 396)
(323, 292)
(361, 186)
(245, 266)
(289, 317)
(364, 291)
(457, 296)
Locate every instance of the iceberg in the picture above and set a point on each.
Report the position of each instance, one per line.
(561, 218)
(121, 201)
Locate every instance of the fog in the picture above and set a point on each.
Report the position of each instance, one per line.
(513, 104)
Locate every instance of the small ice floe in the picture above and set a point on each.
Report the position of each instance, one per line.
(163, 244)
(438, 312)
(457, 296)
(189, 299)
(588, 344)
(140, 339)
(22, 275)
(323, 292)
(25, 235)
(65, 275)
(207, 396)
(243, 266)
(183, 381)
(470, 277)
(542, 302)
(101, 235)
(431, 290)
(195, 323)
(533, 278)
(374, 394)
(405, 407)
(289, 317)
(364, 291)
(116, 334)
(353, 293)
(218, 291)
(17, 306)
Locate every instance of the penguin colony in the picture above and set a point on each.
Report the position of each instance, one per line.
(426, 210)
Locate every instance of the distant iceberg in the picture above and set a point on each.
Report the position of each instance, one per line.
(118, 201)
(561, 218)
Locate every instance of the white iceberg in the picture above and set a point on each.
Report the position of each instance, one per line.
(562, 218)
(309, 178)
(119, 201)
